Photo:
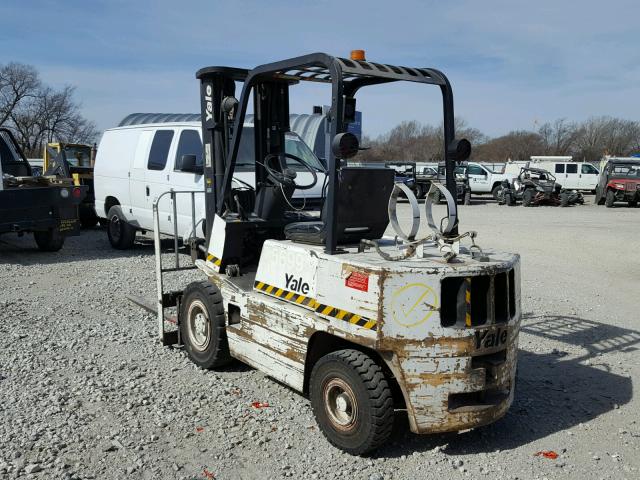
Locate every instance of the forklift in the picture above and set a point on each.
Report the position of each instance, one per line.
(75, 161)
(366, 326)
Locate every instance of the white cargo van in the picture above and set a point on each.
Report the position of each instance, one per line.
(569, 174)
(135, 164)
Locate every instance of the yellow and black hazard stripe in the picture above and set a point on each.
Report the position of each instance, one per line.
(216, 261)
(311, 303)
(467, 299)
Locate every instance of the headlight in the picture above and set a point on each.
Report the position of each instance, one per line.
(619, 185)
(64, 193)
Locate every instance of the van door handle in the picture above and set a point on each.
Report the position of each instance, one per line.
(147, 188)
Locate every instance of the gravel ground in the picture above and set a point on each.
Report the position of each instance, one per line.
(87, 392)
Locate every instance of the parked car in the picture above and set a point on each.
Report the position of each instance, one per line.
(484, 180)
(536, 186)
(619, 182)
(462, 183)
(135, 164)
(417, 178)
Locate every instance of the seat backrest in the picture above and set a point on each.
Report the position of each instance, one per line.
(362, 203)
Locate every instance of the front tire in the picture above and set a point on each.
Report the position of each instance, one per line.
(49, 240)
(351, 401)
(610, 199)
(497, 192)
(564, 199)
(202, 325)
(121, 234)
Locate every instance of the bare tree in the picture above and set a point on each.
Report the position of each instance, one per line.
(600, 136)
(558, 137)
(38, 114)
(17, 83)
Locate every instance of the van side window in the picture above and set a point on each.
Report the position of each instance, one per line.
(572, 168)
(589, 169)
(559, 167)
(159, 149)
(189, 144)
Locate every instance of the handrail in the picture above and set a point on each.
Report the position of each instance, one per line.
(158, 252)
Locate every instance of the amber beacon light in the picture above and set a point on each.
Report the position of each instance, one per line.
(357, 55)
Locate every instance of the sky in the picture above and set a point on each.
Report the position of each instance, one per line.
(513, 64)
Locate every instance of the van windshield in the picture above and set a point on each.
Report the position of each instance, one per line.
(245, 161)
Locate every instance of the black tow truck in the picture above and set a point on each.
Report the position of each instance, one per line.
(46, 205)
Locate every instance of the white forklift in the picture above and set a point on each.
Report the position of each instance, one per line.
(363, 324)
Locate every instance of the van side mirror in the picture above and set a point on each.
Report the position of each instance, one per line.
(188, 164)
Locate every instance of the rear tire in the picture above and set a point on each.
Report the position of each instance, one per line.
(351, 401)
(527, 197)
(202, 325)
(121, 234)
(633, 203)
(49, 240)
(564, 200)
(610, 199)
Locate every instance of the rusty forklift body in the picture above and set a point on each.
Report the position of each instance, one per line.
(366, 325)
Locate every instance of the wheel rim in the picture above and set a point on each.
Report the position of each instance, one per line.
(199, 328)
(340, 404)
(114, 228)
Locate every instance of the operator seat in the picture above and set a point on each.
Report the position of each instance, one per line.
(362, 208)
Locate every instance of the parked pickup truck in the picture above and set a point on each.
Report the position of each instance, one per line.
(484, 180)
(47, 206)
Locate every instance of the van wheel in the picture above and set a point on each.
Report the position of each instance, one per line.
(49, 240)
(121, 234)
(202, 325)
(610, 199)
(351, 401)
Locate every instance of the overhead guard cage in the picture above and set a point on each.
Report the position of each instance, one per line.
(346, 77)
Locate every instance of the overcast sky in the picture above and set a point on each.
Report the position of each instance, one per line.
(513, 64)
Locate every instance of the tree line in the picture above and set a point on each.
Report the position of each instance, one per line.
(586, 141)
(37, 113)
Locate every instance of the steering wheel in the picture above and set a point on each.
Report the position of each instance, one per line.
(287, 176)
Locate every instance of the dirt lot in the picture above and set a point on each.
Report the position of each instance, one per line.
(87, 392)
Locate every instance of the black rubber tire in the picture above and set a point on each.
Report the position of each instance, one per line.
(496, 191)
(121, 234)
(204, 298)
(633, 203)
(610, 199)
(49, 240)
(466, 200)
(527, 197)
(88, 217)
(564, 199)
(373, 421)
